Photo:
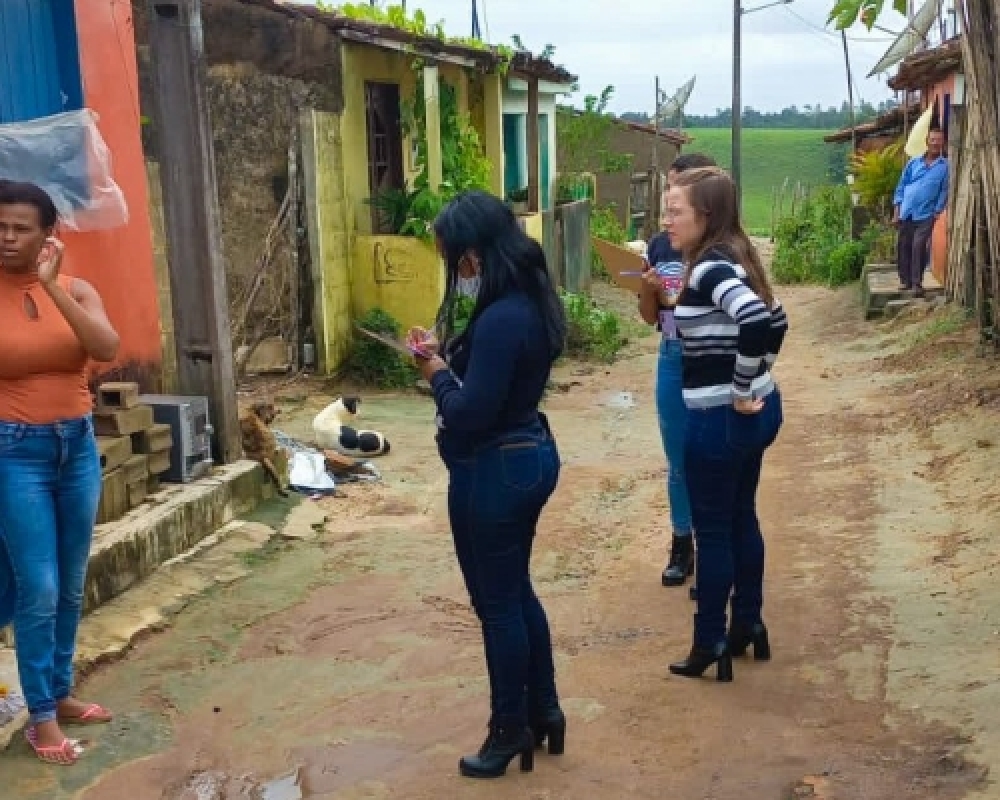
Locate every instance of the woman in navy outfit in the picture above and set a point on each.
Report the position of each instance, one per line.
(502, 460)
(658, 293)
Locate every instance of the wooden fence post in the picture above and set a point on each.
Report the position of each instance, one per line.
(191, 215)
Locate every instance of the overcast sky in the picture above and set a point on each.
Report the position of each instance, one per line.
(789, 57)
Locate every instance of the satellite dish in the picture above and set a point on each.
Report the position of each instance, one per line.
(910, 39)
(671, 107)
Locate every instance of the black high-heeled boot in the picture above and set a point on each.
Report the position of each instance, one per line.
(502, 746)
(551, 725)
(700, 659)
(742, 636)
(681, 565)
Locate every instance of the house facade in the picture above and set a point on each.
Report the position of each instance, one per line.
(301, 97)
(59, 56)
(556, 83)
(935, 77)
(635, 201)
(928, 79)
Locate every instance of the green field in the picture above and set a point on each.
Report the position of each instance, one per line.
(769, 157)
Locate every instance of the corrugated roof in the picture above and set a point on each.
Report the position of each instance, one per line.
(487, 57)
(671, 135)
(927, 68)
(884, 123)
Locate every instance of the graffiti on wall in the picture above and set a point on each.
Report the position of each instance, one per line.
(388, 267)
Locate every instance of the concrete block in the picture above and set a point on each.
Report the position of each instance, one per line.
(159, 463)
(136, 469)
(117, 396)
(137, 492)
(114, 451)
(894, 307)
(130, 549)
(114, 497)
(157, 439)
(123, 423)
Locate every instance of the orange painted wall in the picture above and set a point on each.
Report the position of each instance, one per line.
(119, 262)
(939, 239)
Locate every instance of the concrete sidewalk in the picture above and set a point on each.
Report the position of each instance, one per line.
(169, 524)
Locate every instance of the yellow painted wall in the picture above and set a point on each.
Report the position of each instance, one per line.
(354, 271)
(362, 64)
(491, 133)
(399, 274)
(329, 236)
(533, 226)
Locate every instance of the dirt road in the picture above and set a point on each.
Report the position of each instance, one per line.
(355, 657)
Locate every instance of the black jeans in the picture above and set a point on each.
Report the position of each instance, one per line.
(495, 498)
(912, 251)
(724, 455)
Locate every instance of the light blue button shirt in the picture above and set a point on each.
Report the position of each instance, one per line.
(922, 192)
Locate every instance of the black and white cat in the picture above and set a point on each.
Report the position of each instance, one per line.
(334, 430)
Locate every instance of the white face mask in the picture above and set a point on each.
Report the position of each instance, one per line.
(468, 287)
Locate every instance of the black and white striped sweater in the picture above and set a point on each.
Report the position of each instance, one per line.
(731, 339)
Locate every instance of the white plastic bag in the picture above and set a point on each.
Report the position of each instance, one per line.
(66, 156)
(307, 473)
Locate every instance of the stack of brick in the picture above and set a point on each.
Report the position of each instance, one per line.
(134, 450)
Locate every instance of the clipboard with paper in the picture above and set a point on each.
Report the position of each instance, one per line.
(394, 344)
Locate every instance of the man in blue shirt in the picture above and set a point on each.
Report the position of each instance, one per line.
(921, 197)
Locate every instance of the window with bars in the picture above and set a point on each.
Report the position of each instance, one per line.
(385, 145)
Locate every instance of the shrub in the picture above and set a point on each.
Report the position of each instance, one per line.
(604, 224)
(814, 245)
(371, 363)
(876, 174)
(846, 262)
(592, 332)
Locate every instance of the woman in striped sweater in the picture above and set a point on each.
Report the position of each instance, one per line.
(732, 328)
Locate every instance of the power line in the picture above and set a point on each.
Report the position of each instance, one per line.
(486, 21)
(827, 33)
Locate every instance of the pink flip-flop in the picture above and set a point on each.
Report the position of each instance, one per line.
(65, 754)
(93, 714)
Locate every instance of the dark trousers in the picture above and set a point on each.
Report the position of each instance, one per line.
(724, 454)
(912, 251)
(495, 498)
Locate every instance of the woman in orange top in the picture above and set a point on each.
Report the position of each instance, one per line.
(50, 472)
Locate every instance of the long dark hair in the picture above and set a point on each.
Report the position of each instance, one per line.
(712, 194)
(511, 261)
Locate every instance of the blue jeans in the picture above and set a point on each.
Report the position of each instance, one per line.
(50, 487)
(672, 414)
(725, 451)
(495, 498)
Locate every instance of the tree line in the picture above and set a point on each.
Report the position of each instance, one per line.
(809, 117)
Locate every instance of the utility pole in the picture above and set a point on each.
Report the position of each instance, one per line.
(850, 91)
(655, 198)
(737, 113)
(191, 216)
(477, 32)
(737, 122)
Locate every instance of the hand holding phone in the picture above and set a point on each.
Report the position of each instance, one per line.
(422, 343)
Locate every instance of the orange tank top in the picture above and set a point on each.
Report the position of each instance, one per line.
(43, 366)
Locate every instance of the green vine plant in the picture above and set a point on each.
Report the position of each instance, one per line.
(547, 54)
(846, 13)
(397, 16)
(412, 211)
